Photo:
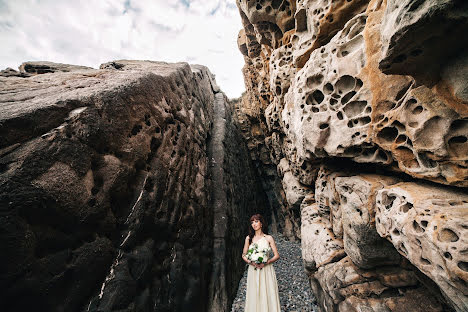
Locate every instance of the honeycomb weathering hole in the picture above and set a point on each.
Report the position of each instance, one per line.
(323, 126)
(354, 108)
(406, 156)
(447, 235)
(318, 96)
(314, 80)
(417, 228)
(463, 265)
(388, 134)
(328, 88)
(458, 140)
(345, 83)
(348, 97)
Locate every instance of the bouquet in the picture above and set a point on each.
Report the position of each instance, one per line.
(257, 255)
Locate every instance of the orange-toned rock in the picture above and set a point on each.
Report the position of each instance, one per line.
(429, 226)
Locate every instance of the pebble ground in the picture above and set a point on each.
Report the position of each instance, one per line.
(293, 285)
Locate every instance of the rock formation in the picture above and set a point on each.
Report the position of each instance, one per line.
(362, 109)
(124, 188)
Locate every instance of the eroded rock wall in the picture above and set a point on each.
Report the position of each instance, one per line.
(109, 189)
(361, 106)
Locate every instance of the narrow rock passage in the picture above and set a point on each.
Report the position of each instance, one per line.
(293, 286)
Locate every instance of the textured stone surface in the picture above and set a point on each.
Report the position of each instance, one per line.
(318, 21)
(107, 189)
(358, 96)
(414, 35)
(342, 286)
(362, 243)
(429, 226)
(319, 244)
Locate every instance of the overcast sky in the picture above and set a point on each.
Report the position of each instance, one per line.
(92, 32)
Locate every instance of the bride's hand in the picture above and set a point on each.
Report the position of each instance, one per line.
(261, 265)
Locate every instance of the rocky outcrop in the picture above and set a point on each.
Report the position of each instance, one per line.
(118, 187)
(362, 108)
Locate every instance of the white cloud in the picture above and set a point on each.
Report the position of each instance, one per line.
(87, 32)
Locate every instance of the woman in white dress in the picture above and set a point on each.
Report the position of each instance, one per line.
(262, 287)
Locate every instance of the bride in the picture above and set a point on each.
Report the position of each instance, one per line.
(262, 287)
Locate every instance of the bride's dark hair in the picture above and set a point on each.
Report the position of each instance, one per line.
(260, 218)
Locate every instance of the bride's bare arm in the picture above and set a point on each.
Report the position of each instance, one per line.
(276, 255)
(244, 252)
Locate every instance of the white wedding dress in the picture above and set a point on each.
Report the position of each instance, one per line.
(262, 287)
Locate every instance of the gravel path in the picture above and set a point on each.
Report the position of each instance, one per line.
(293, 285)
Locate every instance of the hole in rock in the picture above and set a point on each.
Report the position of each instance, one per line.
(396, 232)
(364, 120)
(92, 202)
(354, 108)
(459, 125)
(417, 228)
(417, 110)
(406, 156)
(339, 115)
(424, 223)
(382, 156)
(323, 126)
(387, 201)
(403, 91)
(347, 97)
(345, 84)
(328, 88)
(318, 96)
(457, 140)
(278, 90)
(333, 102)
(403, 249)
(448, 255)
(314, 80)
(426, 161)
(463, 265)
(388, 134)
(275, 4)
(136, 129)
(399, 59)
(406, 207)
(358, 84)
(401, 139)
(447, 235)
(425, 261)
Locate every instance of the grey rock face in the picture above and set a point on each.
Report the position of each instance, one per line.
(106, 189)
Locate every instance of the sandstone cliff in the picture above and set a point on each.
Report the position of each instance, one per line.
(118, 187)
(356, 113)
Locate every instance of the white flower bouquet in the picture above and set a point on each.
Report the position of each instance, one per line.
(257, 255)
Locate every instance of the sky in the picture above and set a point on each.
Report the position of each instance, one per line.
(92, 32)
